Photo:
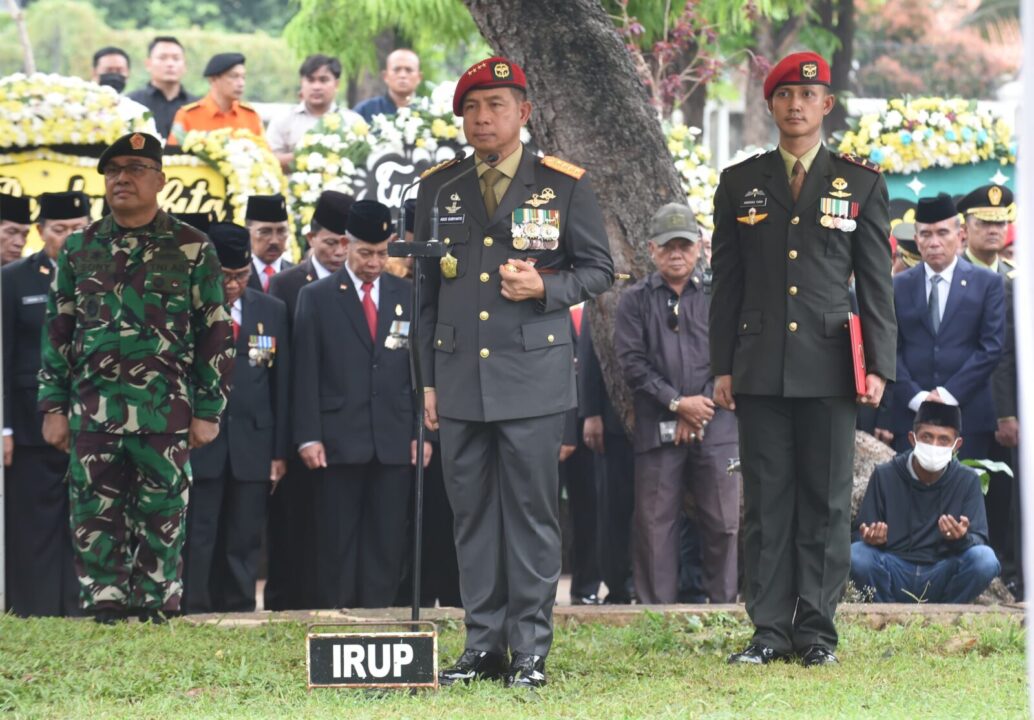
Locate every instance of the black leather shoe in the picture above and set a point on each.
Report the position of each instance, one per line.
(474, 665)
(587, 600)
(109, 616)
(150, 615)
(756, 654)
(818, 655)
(526, 671)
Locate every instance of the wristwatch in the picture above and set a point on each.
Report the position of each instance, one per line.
(673, 406)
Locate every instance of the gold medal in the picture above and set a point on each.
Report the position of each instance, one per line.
(826, 221)
(520, 242)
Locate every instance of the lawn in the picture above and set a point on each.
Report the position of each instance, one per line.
(658, 667)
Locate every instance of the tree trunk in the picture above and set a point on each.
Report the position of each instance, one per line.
(590, 107)
(840, 73)
(369, 84)
(757, 127)
(693, 108)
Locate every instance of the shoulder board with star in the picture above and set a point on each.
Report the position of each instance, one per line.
(562, 166)
(744, 161)
(440, 166)
(860, 162)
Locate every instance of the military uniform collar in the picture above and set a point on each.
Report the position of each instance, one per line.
(979, 263)
(507, 166)
(806, 159)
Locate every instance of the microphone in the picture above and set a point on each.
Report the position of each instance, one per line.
(402, 201)
(490, 159)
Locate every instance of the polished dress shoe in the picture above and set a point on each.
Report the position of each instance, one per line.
(109, 616)
(756, 654)
(818, 655)
(474, 665)
(152, 616)
(526, 671)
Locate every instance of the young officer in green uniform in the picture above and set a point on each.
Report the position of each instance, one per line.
(792, 226)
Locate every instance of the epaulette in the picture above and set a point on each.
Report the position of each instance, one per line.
(1007, 262)
(744, 161)
(860, 162)
(562, 166)
(440, 166)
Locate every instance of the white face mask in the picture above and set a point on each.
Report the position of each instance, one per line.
(933, 458)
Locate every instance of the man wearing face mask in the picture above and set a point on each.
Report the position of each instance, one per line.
(921, 532)
(111, 68)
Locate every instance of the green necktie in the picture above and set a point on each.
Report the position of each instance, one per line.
(491, 178)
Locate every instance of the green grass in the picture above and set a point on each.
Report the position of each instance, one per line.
(659, 667)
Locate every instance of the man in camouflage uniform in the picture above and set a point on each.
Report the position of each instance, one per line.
(137, 354)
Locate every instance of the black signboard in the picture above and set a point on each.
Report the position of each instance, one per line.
(373, 660)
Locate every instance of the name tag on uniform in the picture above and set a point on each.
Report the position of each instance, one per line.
(34, 299)
(447, 219)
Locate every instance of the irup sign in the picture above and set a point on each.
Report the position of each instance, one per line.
(373, 659)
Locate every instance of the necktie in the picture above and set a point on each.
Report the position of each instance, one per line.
(369, 309)
(935, 302)
(268, 272)
(491, 177)
(236, 330)
(797, 180)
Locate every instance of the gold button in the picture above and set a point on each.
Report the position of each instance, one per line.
(550, 338)
(488, 242)
(484, 352)
(794, 220)
(793, 289)
(484, 277)
(744, 326)
(793, 327)
(483, 315)
(439, 343)
(446, 241)
(793, 254)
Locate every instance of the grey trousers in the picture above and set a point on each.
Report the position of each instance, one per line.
(502, 482)
(662, 476)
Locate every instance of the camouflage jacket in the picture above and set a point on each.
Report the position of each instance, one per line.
(137, 336)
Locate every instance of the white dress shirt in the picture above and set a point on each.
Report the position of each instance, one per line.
(321, 272)
(375, 291)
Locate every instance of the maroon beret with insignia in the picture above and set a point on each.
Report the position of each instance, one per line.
(803, 68)
(494, 72)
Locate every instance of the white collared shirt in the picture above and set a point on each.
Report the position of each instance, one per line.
(235, 311)
(260, 267)
(321, 272)
(375, 291)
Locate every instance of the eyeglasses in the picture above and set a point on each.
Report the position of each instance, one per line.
(240, 277)
(673, 313)
(133, 170)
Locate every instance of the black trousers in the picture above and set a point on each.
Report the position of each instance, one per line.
(361, 526)
(291, 540)
(797, 456)
(41, 578)
(615, 502)
(578, 476)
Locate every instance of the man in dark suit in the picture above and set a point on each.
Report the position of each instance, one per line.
(266, 220)
(354, 415)
(40, 574)
(791, 228)
(951, 328)
(526, 242)
(235, 473)
(291, 576)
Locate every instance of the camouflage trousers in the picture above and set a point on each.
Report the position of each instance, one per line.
(128, 501)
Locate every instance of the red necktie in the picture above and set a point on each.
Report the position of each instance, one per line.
(236, 330)
(576, 316)
(369, 309)
(269, 272)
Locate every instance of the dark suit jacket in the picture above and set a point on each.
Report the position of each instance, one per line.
(528, 369)
(781, 285)
(1003, 380)
(26, 283)
(254, 429)
(352, 394)
(593, 398)
(255, 282)
(963, 353)
(286, 285)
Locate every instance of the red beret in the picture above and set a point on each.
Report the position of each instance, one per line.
(491, 73)
(803, 68)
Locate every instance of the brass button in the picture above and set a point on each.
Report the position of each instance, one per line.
(793, 327)
(793, 289)
(447, 241)
(488, 242)
(484, 277)
(792, 254)
(795, 220)
(744, 326)
(483, 315)
(439, 343)
(550, 338)
(484, 352)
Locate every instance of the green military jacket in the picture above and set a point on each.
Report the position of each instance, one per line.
(137, 338)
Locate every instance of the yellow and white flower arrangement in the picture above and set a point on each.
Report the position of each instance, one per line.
(911, 134)
(41, 110)
(698, 176)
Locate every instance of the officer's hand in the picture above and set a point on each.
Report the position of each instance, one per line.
(884, 436)
(521, 281)
(875, 534)
(314, 456)
(567, 451)
(592, 433)
(430, 409)
(874, 386)
(202, 432)
(1007, 435)
(951, 528)
(697, 410)
(8, 449)
(277, 470)
(55, 430)
(723, 392)
(427, 453)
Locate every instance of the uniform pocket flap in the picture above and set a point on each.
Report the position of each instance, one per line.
(750, 323)
(546, 333)
(331, 402)
(835, 323)
(444, 338)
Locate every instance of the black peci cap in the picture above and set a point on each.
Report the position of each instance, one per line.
(63, 206)
(14, 208)
(369, 221)
(200, 221)
(934, 209)
(232, 244)
(940, 414)
(332, 211)
(266, 208)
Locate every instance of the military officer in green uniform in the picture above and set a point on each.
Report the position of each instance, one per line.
(526, 242)
(136, 358)
(792, 226)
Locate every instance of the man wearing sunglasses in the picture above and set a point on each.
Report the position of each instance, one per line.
(681, 438)
(135, 366)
